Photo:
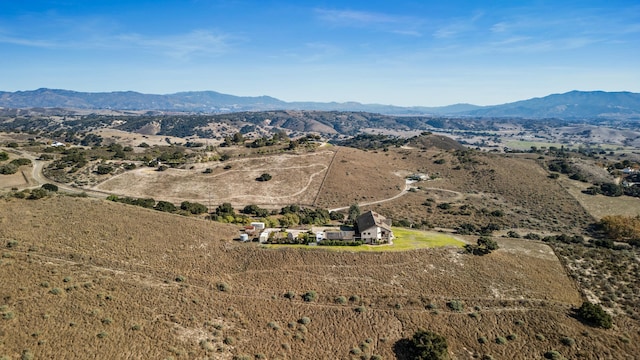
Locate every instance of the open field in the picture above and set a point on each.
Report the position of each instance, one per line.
(88, 278)
(296, 179)
(600, 205)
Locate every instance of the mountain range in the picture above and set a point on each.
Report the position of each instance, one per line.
(570, 105)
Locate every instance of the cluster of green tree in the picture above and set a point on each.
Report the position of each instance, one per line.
(91, 140)
(373, 142)
(236, 139)
(35, 194)
(303, 141)
(278, 137)
(613, 190)
(13, 165)
(472, 229)
(165, 206)
(484, 246)
(340, 243)
(255, 210)
(295, 215)
(283, 238)
(4, 156)
(620, 228)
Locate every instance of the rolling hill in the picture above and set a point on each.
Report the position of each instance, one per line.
(571, 105)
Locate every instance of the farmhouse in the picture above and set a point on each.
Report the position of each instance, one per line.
(374, 228)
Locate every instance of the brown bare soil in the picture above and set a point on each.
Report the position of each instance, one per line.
(137, 283)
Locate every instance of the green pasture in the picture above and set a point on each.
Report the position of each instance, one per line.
(405, 239)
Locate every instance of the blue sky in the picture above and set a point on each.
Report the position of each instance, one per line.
(427, 53)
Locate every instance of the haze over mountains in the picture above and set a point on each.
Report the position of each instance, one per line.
(570, 105)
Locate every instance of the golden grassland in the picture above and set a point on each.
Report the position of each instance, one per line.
(87, 278)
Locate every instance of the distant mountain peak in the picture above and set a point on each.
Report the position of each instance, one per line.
(572, 104)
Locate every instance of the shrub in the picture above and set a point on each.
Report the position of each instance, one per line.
(223, 287)
(273, 325)
(38, 194)
(455, 305)
(594, 315)
(104, 169)
(429, 345)
(107, 321)
(264, 177)
(500, 340)
(309, 296)
(50, 187)
(290, 295)
(565, 340)
(512, 337)
(304, 320)
(8, 169)
(340, 300)
(56, 291)
(229, 340)
(355, 351)
(136, 327)
(4, 156)
(540, 337)
(165, 206)
(482, 340)
(360, 309)
(553, 355)
(20, 162)
(102, 335)
(179, 278)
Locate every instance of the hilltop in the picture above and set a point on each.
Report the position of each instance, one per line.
(99, 279)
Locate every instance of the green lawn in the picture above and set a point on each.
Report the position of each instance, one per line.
(406, 239)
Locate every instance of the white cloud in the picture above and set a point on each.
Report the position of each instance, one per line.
(180, 45)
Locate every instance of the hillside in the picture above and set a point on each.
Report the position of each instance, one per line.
(88, 278)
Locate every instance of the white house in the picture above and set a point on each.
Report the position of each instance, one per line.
(374, 228)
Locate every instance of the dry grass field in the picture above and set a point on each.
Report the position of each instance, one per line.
(296, 179)
(600, 205)
(86, 278)
(474, 185)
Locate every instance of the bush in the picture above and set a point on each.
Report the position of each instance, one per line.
(165, 206)
(455, 305)
(50, 187)
(427, 345)
(20, 162)
(340, 300)
(304, 320)
(290, 295)
(553, 355)
(594, 315)
(500, 340)
(264, 177)
(8, 169)
(223, 287)
(104, 169)
(309, 296)
(567, 341)
(360, 309)
(194, 208)
(4, 156)
(38, 194)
